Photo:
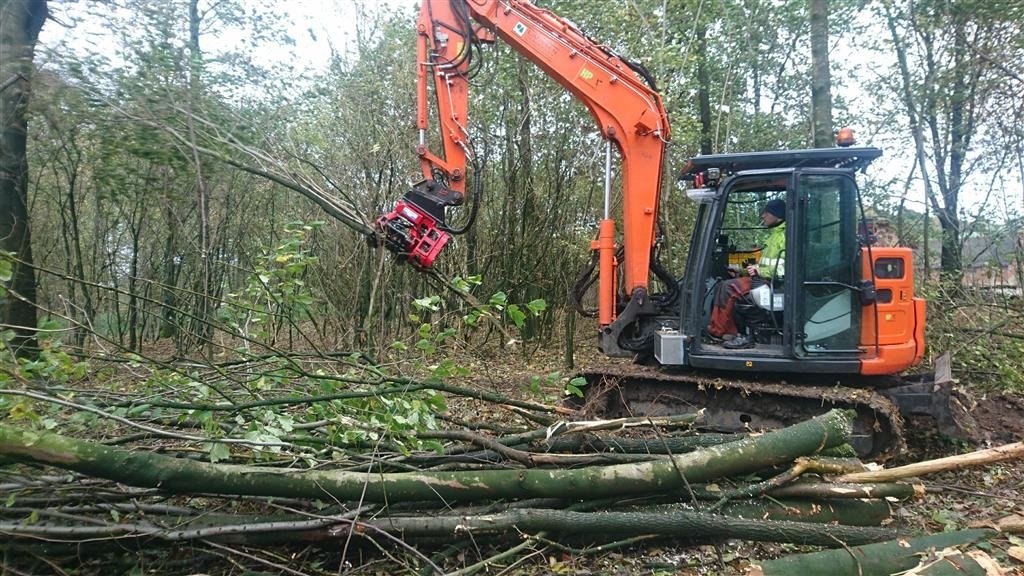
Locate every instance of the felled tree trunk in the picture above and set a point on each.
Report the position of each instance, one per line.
(851, 512)
(883, 558)
(819, 490)
(669, 445)
(957, 462)
(693, 525)
(177, 475)
(970, 563)
(668, 520)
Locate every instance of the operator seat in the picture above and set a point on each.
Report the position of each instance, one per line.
(761, 312)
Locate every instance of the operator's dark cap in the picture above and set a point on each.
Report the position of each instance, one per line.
(776, 208)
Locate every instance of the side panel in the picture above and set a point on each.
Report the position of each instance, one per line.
(892, 329)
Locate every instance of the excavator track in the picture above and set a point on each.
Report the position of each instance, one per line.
(732, 403)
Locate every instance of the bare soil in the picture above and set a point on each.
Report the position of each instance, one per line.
(1000, 417)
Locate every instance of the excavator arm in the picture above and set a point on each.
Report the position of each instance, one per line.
(620, 96)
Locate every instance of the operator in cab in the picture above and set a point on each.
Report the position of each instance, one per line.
(722, 328)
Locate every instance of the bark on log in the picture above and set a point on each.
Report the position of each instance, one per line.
(138, 468)
(164, 529)
(666, 445)
(970, 563)
(850, 512)
(692, 525)
(818, 490)
(883, 558)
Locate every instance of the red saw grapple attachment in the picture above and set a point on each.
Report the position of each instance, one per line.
(415, 230)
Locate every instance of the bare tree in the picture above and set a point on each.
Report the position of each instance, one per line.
(821, 78)
(952, 64)
(20, 23)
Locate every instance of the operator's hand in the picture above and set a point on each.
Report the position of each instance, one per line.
(752, 270)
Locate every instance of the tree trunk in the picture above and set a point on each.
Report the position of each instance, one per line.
(172, 269)
(666, 445)
(850, 512)
(884, 558)
(1003, 453)
(138, 468)
(821, 490)
(703, 89)
(204, 296)
(20, 23)
(267, 530)
(77, 262)
(821, 78)
(692, 525)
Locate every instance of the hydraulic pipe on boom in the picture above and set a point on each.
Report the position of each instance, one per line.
(620, 96)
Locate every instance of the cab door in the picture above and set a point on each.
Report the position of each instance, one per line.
(827, 291)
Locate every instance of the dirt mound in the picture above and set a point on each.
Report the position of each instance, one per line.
(1000, 417)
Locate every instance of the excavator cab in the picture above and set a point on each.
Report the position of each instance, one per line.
(834, 304)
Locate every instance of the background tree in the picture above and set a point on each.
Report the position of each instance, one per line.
(20, 23)
(954, 60)
(821, 76)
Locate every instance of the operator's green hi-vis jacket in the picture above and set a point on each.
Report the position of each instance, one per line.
(773, 262)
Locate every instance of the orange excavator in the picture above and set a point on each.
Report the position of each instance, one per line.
(838, 318)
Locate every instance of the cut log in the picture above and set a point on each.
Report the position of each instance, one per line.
(145, 469)
(883, 558)
(666, 445)
(817, 489)
(158, 529)
(849, 512)
(956, 563)
(981, 457)
(692, 525)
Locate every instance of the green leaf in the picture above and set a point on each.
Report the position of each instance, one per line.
(425, 345)
(575, 386)
(471, 318)
(518, 316)
(437, 402)
(218, 451)
(6, 267)
(424, 330)
(498, 300)
(464, 285)
(432, 303)
(537, 306)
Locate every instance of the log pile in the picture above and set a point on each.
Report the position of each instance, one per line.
(567, 487)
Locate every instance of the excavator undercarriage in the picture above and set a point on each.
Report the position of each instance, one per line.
(735, 403)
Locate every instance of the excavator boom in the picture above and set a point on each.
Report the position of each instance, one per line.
(619, 94)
